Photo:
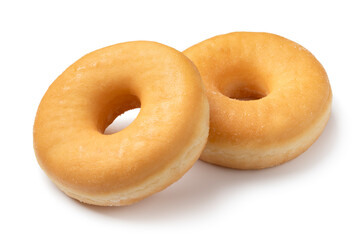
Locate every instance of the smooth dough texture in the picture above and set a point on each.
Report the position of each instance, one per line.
(155, 150)
(269, 97)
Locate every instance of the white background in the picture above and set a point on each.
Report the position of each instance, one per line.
(315, 196)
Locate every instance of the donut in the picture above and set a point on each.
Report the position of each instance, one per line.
(269, 98)
(154, 151)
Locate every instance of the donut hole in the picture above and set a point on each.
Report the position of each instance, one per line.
(117, 112)
(244, 91)
(246, 94)
(122, 121)
(243, 81)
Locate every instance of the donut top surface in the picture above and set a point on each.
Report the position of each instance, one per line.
(263, 89)
(80, 104)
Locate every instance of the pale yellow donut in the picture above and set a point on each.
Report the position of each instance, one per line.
(269, 98)
(155, 150)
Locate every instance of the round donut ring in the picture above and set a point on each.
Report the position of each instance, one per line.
(155, 150)
(269, 98)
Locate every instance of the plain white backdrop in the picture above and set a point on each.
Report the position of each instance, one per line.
(315, 196)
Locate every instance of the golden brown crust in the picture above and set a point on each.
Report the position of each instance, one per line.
(160, 145)
(290, 94)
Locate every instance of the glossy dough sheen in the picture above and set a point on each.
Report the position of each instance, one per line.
(154, 151)
(291, 91)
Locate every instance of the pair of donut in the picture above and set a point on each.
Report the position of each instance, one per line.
(241, 100)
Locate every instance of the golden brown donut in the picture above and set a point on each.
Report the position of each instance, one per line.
(155, 150)
(269, 98)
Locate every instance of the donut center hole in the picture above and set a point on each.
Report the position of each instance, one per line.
(117, 112)
(122, 121)
(246, 94)
(244, 91)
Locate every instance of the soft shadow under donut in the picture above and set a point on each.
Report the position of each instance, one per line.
(200, 190)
